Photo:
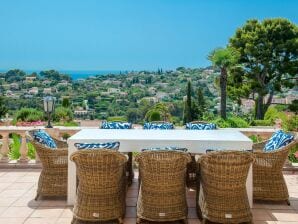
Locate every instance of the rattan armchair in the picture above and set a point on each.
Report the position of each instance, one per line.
(221, 193)
(102, 186)
(53, 177)
(268, 180)
(162, 190)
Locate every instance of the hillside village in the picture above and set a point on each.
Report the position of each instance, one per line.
(110, 95)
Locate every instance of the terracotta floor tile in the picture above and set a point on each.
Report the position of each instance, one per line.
(284, 215)
(67, 213)
(41, 221)
(131, 201)
(192, 213)
(17, 212)
(25, 201)
(12, 193)
(53, 203)
(131, 212)
(64, 221)
(130, 220)
(194, 221)
(47, 212)
(7, 201)
(132, 193)
(262, 215)
(12, 220)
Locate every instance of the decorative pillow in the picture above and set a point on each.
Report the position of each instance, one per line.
(278, 140)
(171, 148)
(105, 145)
(158, 126)
(116, 125)
(44, 138)
(194, 126)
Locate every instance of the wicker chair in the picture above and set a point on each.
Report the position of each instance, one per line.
(191, 177)
(221, 193)
(129, 165)
(53, 177)
(268, 180)
(102, 186)
(162, 192)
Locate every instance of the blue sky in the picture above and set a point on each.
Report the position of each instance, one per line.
(123, 35)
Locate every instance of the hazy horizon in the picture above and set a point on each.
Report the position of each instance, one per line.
(73, 35)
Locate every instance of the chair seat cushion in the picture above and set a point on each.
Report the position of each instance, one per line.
(158, 126)
(94, 146)
(278, 140)
(44, 138)
(116, 125)
(170, 148)
(198, 126)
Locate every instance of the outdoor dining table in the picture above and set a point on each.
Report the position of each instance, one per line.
(134, 140)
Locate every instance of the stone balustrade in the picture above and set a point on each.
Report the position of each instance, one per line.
(58, 132)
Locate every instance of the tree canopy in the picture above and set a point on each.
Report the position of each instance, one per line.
(268, 57)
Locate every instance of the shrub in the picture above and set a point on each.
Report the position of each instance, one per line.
(117, 118)
(231, 122)
(154, 116)
(291, 124)
(256, 138)
(292, 156)
(272, 114)
(65, 136)
(14, 152)
(261, 123)
(63, 114)
(29, 114)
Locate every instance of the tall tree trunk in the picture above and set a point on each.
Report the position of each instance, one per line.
(260, 107)
(223, 93)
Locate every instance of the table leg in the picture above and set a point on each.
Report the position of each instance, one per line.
(72, 181)
(249, 186)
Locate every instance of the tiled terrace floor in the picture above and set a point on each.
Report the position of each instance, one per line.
(17, 205)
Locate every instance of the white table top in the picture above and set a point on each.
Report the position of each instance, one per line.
(194, 140)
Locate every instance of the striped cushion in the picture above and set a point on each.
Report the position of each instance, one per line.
(194, 126)
(158, 126)
(116, 125)
(170, 148)
(44, 138)
(278, 140)
(105, 145)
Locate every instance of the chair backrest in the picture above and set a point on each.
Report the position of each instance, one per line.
(157, 167)
(99, 169)
(200, 125)
(225, 169)
(116, 125)
(158, 125)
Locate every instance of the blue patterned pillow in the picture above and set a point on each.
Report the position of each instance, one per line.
(158, 126)
(105, 145)
(44, 138)
(194, 126)
(116, 125)
(278, 140)
(171, 148)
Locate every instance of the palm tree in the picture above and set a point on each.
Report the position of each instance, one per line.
(224, 59)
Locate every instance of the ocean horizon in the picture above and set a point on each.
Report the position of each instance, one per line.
(77, 74)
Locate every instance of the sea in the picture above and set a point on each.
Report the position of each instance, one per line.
(79, 74)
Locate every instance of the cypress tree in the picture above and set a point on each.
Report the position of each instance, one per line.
(201, 103)
(187, 107)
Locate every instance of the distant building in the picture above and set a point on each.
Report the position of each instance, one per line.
(14, 86)
(46, 82)
(30, 79)
(149, 99)
(113, 90)
(47, 91)
(33, 90)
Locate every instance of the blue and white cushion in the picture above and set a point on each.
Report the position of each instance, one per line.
(278, 140)
(44, 138)
(158, 126)
(92, 146)
(170, 148)
(198, 126)
(116, 125)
